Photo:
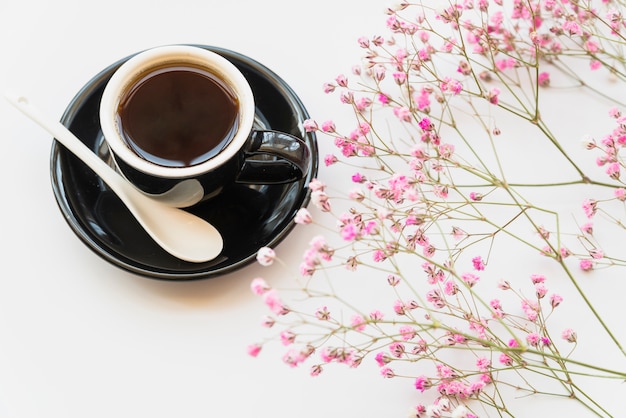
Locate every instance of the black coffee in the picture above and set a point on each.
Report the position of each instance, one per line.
(178, 116)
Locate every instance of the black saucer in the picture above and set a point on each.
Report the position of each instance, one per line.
(249, 217)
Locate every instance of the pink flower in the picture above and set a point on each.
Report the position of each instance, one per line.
(555, 300)
(387, 372)
(379, 72)
(254, 350)
(446, 150)
(483, 364)
(356, 194)
(572, 27)
(293, 357)
(397, 349)
(379, 256)
(450, 288)
(474, 389)
(376, 315)
(268, 322)
(540, 290)
(287, 337)
(451, 85)
(303, 217)
(470, 279)
(323, 314)
(422, 100)
(317, 185)
(259, 286)
(316, 370)
(445, 372)
(434, 296)
(493, 96)
(399, 307)
(330, 159)
(533, 339)
(614, 112)
(306, 269)
(382, 359)
(383, 99)
(620, 194)
(310, 125)
(496, 305)
(476, 197)
(586, 265)
(613, 170)
(422, 383)
(531, 309)
(265, 256)
(320, 200)
(440, 191)
(399, 78)
(537, 278)
(349, 232)
(543, 79)
(592, 46)
(403, 113)
(342, 80)
(587, 228)
(328, 126)
(478, 263)
(569, 335)
(458, 233)
(590, 207)
(505, 359)
(504, 284)
(426, 124)
(358, 323)
(363, 42)
(358, 178)
(273, 302)
(371, 228)
(596, 253)
(407, 332)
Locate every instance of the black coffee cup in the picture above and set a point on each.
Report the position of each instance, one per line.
(175, 113)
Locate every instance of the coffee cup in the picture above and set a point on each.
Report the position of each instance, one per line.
(179, 112)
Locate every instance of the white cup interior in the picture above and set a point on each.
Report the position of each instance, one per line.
(173, 55)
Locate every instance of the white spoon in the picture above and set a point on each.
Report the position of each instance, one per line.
(183, 195)
(180, 233)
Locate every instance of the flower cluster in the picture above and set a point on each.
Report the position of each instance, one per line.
(439, 193)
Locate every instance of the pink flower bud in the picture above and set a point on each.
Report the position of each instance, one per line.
(265, 256)
(254, 350)
(342, 80)
(310, 125)
(259, 286)
(303, 217)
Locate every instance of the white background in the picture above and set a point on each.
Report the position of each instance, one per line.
(82, 338)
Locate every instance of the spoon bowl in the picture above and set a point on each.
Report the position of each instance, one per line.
(178, 232)
(183, 195)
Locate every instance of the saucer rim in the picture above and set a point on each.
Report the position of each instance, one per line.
(115, 257)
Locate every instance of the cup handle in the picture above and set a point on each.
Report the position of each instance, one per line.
(273, 157)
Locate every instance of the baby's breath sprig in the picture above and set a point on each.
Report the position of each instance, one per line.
(453, 112)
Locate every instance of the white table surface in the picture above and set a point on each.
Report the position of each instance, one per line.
(82, 338)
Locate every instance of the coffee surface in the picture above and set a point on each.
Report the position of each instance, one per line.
(178, 116)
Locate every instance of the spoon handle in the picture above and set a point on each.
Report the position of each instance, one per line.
(183, 235)
(65, 137)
